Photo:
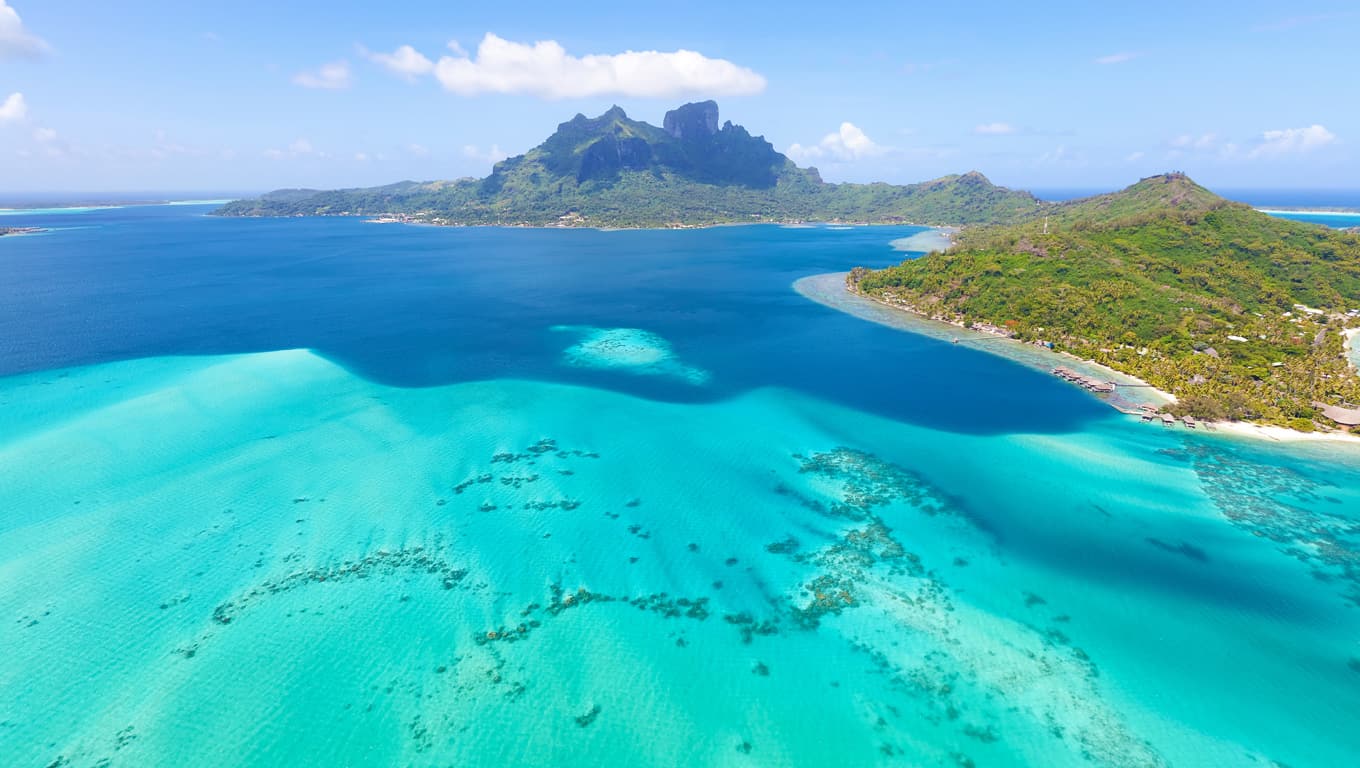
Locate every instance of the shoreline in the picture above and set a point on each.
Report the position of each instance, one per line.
(829, 289)
(823, 288)
(783, 223)
(1280, 434)
(1313, 212)
(72, 209)
(935, 239)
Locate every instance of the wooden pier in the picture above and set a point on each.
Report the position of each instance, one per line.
(1145, 413)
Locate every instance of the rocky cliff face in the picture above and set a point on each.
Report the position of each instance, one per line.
(605, 158)
(692, 121)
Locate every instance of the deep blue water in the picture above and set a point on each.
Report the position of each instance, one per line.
(421, 306)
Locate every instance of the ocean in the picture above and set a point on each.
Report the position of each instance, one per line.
(319, 491)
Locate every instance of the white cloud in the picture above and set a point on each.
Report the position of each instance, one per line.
(1118, 58)
(164, 148)
(546, 70)
(491, 156)
(361, 157)
(332, 76)
(1057, 155)
(298, 148)
(418, 150)
(848, 143)
(405, 61)
(1190, 141)
(1135, 157)
(52, 144)
(13, 109)
(1201, 145)
(994, 129)
(1293, 141)
(15, 39)
(1062, 156)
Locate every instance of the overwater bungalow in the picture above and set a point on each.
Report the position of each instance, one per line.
(1168, 419)
(1189, 422)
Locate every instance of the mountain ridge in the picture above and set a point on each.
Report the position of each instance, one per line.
(612, 170)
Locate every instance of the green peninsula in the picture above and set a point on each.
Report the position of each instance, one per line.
(612, 171)
(1236, 313)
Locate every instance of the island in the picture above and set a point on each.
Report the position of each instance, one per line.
(1240, 316)
(612, 171)
(1235, 314)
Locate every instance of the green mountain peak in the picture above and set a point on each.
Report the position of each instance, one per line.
(612, 170)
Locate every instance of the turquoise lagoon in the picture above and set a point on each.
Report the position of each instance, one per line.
(1334, 219)
(403, 496)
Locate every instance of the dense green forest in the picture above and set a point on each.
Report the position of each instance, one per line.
(612, 171)
(1234, 311)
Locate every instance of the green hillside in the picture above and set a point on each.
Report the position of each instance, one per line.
(1232, 310)
(615, 171)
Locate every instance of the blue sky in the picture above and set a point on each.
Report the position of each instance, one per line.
(242, 96)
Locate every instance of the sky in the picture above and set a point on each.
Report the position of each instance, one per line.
(249, 96)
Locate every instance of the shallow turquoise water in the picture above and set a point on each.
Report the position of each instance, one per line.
(624, 558)
(1337, 220)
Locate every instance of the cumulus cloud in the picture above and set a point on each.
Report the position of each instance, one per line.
(405, 61)
(13, 109)
(418, 150)
(332, 76)
(44, 135)
(1118, 58)
(848, 143)
(15, 39)
(545, 69)
(1290, 141)
(490, 156)
(994, 129)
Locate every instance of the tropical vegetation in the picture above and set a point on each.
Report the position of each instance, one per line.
(1235, 312)
(612, 171)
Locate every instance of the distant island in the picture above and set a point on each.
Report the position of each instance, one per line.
(1238, 314)
(612, 171)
